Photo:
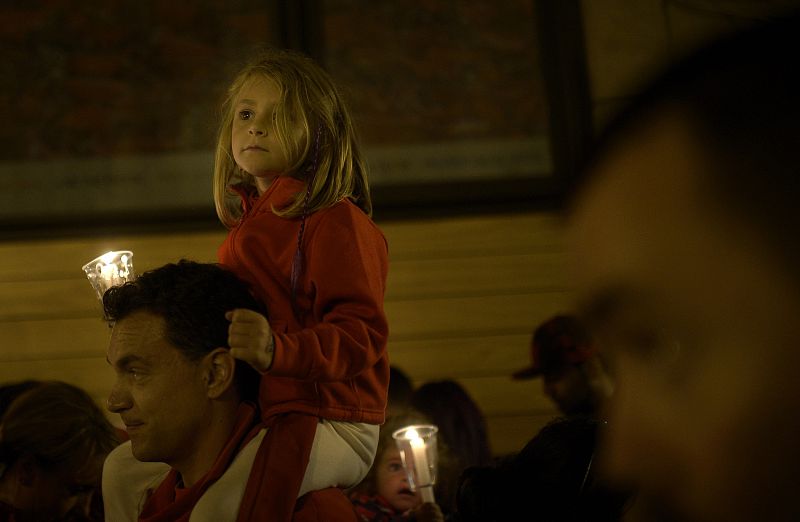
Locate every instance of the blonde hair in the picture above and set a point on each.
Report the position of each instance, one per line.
(326, 154)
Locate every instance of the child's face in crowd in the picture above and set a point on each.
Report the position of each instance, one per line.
(392, 481)
(254, 141)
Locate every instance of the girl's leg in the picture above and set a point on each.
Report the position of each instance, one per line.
(341, 455)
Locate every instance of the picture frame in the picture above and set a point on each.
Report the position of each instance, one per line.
(516, 70)
(109, 156)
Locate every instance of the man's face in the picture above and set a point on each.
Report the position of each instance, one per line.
(158, 392)
(701, 325)
(392, 481)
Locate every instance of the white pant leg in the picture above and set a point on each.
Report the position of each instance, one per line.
(341, 455)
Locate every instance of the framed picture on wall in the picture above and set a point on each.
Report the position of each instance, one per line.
(114, 109)
(461, 106)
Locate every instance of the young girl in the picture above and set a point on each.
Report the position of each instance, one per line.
(301, 235)
(385, 495)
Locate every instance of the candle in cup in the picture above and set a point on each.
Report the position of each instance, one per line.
(109, 270)
(109, 274)
(421, 465)
(417, 445)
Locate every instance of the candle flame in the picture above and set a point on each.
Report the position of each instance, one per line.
(107, 257)
(412, 434)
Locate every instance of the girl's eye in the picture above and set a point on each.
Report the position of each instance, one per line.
(395, 467)
(245, 114)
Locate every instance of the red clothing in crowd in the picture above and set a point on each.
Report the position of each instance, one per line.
(375, 508)
(272, 485)
(331, 361)
(330, 329)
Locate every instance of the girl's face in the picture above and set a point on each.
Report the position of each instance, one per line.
(392, 482)
(255, 144)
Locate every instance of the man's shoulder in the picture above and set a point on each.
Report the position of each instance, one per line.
(221, 501)
(126, 482)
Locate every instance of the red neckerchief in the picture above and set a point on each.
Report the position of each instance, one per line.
(278, 469)
(274, 481)
(375, 508)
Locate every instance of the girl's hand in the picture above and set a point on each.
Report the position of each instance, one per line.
(428, 512)
(250, 338)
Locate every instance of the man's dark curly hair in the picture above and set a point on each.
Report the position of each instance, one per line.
(192, 298)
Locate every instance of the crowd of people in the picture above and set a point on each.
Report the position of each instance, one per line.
(259, 388)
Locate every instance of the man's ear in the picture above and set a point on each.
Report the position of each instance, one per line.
(219, 370)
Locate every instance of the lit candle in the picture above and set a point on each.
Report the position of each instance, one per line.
(421, 466)
(109, 270)
(417, 445)
(109, 274)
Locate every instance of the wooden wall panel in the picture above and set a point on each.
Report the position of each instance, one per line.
(463, 297)
(467, 356)
(479, 275)
(51, 339)
(92, 373)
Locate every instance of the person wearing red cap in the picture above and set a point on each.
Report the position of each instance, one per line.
(564, 355)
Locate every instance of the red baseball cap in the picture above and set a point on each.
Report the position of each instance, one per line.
(561, 340)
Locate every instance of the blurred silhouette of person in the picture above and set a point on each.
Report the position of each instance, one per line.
(400, 391)
(53, 440)
(462, 431)
(683, 237)
(564, 355)
(551, 479)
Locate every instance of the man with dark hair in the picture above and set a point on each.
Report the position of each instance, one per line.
(564, 355)
(686, 255)
(198, 447)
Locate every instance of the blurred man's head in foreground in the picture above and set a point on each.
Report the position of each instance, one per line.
(684, 238)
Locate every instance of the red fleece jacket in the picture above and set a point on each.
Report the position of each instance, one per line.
(330, 361)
